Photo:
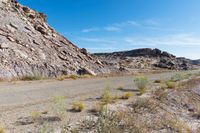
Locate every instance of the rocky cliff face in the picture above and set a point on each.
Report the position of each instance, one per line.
(143, 59)
(28, 45)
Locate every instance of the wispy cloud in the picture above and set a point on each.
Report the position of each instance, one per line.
(126, 23)
(90, 29)
(173, 40)
(97, 40)
(112, 28)
(150, 24)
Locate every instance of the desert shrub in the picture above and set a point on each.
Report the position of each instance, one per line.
(97, 108)
(85, 76)
(143, 104)
(177, 77)
(78, 106)
(106, 97)
(160, 94)
(180, 76)
(171, 85)
(141, 83)
(163, 86)
(126, 95)
(120, 88)
(35, 115)
(158, 81)
(176, 125)
(114, 122)
(61, 77)
(74, 77)
(34, 76)
(58, 106)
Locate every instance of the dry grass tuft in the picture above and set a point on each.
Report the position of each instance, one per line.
(35, 115)
(171, 84)
(78, 106)
(61, 77)
(126, 95)
(2, 130)
(107, 98)
(158, 81)
(141, 83)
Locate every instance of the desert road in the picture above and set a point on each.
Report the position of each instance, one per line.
(33, 92)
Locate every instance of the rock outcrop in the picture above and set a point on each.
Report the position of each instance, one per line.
(143, 59)
(28, 45)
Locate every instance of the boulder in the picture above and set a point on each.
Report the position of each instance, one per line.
(85, 70)
(4, 46)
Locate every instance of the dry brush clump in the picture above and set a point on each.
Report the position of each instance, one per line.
(171, 84)
(2, 130)
(113, 122)
(141, 83)
(58, 106)
(78, 106)
(107, 98)
(35, 115)
(126, 95)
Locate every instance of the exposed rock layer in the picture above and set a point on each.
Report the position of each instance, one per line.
(28, 45)
(143, 59)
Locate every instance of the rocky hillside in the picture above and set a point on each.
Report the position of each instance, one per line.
(28, 46)
(196, 62)
(143, 59)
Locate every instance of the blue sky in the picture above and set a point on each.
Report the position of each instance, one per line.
(113, 25)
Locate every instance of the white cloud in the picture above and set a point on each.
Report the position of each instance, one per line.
(97, 40)
(126, 23)
(112, 28)
(174, 40)
(90, 29)
(150, 24)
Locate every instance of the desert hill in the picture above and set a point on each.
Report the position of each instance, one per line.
(145, 58)
(28, 46)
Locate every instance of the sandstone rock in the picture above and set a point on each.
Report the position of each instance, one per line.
(4, 45)
(84, 51)
(41, 29)
(11, 39)
(86, 70)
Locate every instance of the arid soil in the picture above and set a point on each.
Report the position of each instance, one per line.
(50, 101)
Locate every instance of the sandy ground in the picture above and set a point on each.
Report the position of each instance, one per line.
(19, 99)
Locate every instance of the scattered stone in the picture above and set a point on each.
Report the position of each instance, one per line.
(85, 71)
(4, 45)
(11, 39)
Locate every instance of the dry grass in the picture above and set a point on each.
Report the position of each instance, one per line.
(35, 115)
(2, 130)
(189, 84)
(31, 77)
(141, 83)
(78, 106)
(198, 110)
(171, 84)
(58, 106)
(158, 81)
(106, 97)
(160, 94)
(126, 95)
(61, 77)
(74, 77)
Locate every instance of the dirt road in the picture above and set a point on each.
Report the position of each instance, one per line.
(23, 93)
